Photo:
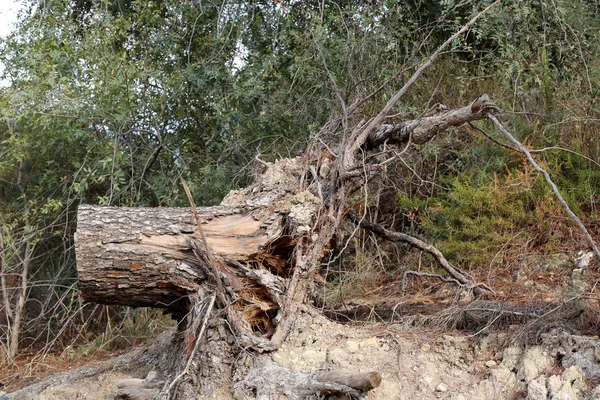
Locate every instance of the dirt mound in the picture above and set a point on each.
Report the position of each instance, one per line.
(413, 366)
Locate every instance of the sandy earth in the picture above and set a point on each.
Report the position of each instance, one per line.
(412, 366)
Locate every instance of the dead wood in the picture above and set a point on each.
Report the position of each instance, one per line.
(256, 253)
(456, 275)
(267, 380)
(267, 241)
(476, 317)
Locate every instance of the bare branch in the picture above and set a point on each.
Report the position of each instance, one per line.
(364, 135)
(422, 130)
(557, 193)
(393, 236)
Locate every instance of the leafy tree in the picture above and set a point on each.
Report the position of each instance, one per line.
(110, 102)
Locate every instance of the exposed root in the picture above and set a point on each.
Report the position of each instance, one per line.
(477, 317)
(195, 316)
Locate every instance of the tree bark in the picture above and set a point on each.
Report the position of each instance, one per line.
(145, 257)
(263, 246)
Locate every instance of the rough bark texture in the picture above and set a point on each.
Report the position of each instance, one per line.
(265, 244)
(144, 257)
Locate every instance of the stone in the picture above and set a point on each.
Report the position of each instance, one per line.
(442, 387)
(535, 362)
(574, 377)
(554, 384)
(511, 357)
(503, 378)
(490, 364)
(565, 393)
(536, 390)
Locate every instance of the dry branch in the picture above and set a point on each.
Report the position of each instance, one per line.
(557, 193)
(379, 230)
(422, 130)
(363, 136)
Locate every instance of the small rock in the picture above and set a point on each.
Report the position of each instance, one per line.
(503, 377)
(554, 384)
(352, 346)
(490, 364)
(574, 377)
(566, 392)
(511, 356)
(442, 387)
(535, 362)
(536, 390)
(121, 383)
(428, 379)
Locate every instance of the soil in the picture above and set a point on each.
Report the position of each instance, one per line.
(413, 366)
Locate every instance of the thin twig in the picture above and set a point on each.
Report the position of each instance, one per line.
(196, 344)
(379, 230)
(557, 193)
(490, 137)
(207, 249)
(443, 278)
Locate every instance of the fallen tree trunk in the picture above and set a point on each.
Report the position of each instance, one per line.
(155, 257)
(255, 254)
(145, 257)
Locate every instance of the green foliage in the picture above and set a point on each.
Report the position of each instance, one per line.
(478, 216)
(110, 102)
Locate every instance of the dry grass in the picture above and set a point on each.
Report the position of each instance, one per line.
(104, 332)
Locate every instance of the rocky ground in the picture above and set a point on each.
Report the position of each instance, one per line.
(413, 365)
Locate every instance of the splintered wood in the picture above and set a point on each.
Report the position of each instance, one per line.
(149, 257)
